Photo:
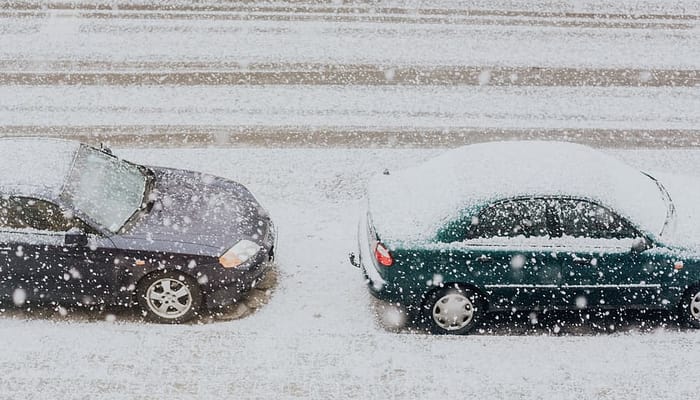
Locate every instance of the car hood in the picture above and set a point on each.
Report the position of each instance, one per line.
(197, 209)
(684, 229)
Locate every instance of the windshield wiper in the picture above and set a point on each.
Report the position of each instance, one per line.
(670, 207)
(146, 203)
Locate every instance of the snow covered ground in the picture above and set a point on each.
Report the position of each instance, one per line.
(382, 37)
(318, 337)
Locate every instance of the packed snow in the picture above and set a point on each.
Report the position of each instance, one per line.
(376, 107)
(543, 39)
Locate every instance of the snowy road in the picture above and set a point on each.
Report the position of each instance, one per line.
(358, 106)
(391, 36)
(351, 73)
(230, 110)
(318, 338)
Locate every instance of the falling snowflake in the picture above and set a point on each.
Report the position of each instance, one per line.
(19, 297)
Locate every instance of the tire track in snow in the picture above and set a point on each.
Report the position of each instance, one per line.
(186, 74)
(348, 137)
(89, 51)
(367, 12)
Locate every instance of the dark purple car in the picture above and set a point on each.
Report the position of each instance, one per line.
(81, 226)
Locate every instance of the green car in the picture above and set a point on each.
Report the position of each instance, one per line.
(516, 226)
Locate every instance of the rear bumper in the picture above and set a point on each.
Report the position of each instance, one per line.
(380, 288)
(362, 259)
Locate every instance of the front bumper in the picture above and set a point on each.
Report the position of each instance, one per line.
(233, 284)
(231, 292)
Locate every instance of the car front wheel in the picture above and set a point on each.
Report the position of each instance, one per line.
(169, 297)
(691, 307)
(454, 311)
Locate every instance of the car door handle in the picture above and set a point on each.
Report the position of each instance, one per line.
(582, 261)
(484, 258)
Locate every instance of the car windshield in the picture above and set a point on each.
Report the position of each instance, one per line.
(106, 189)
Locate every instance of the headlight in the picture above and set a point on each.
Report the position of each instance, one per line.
(239, 253)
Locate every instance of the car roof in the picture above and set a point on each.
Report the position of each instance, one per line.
(35, 167)
(414, 204)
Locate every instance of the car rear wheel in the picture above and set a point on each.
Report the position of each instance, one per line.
(691, 307)
(169, 297)
(454, 311)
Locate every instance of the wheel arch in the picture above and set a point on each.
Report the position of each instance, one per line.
(162, 271)
(457, 285)
(136, 281)
(687, 291)
(684, 311)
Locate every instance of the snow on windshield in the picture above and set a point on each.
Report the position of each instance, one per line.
(106, 189)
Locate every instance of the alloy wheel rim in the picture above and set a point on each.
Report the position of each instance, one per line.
(169, 298)
(453, 311)
(695, 306)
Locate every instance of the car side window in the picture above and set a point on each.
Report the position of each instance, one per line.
(26, 213)
(580, 218)
(511, 218)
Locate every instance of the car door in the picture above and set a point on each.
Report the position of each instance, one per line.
(603, 258)
(54, 257)
(509, 247)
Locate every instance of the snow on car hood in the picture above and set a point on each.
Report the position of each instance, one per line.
(684, 230)
(414, 203)
(201, 209)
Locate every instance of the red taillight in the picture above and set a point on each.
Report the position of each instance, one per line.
(383, 255)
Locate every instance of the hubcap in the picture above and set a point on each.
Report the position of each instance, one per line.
(169, 298)
(695, 306)
(453, 311)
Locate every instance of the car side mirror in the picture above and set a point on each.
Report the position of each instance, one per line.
(639, 244)
(76, 238)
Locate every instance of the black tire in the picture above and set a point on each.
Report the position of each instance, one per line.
(466, 308)
(169, 297)
(690, 307)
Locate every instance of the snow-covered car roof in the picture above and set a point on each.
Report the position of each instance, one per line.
(414, 203)
(35, 166)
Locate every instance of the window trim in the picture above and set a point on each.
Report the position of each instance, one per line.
(548, 215)
(558, 223)
(553, 220)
